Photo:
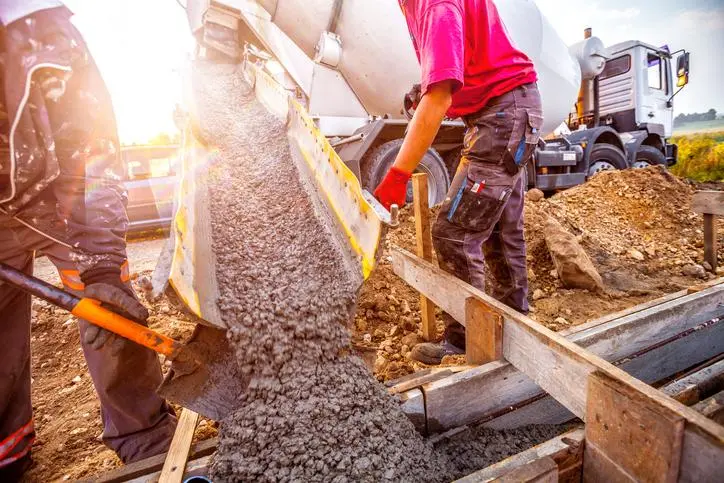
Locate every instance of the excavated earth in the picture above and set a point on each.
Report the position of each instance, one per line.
(310, 410)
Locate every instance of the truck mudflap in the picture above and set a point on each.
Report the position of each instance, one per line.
(360, 221)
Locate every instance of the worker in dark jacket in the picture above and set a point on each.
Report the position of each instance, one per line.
(472, 70)
(61, 195)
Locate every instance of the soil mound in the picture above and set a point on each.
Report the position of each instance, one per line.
(636, 226)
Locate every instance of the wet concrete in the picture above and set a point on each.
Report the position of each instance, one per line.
(310, 411)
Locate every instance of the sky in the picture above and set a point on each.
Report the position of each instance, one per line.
(141, 47)
(694, 25)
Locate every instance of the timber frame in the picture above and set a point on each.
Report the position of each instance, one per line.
(633, 432)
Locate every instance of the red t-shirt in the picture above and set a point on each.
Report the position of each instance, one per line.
(465, 41)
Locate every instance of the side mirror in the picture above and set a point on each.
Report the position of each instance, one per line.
(682, 70)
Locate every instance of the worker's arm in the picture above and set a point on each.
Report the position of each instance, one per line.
(420, 134)
(424, 126)
(438, 34)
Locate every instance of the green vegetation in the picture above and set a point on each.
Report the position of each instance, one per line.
(701, 156)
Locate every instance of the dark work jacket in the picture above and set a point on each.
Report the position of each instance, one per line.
(61, 169)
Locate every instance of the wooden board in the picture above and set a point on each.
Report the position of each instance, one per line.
(712, 407)
(697, 386)
(197, 467)
(650, 367)
(153, 464)
(525, 341)
(711, 202)
(423, 235)
(566, 450)
(498, 386)
(483, 334)
(642, 436)
(543, 470)
(710, 240)
(175, 464)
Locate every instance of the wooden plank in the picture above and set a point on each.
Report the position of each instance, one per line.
(423, 234)
(523, 338)
(495, 388)
(640, 434)
(543, 470)
(712, 407)
(175, 464)
(419, 381)
(650, 367)
(711, 202)
(483, 334)
(638, 309)
(710, 240)
(153, 464)
(197, 467)
(697, 386)
(566, 450)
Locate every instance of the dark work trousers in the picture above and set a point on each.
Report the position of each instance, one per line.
(481, 219)
(137, 423)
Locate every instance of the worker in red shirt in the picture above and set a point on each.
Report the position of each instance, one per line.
(472, 70)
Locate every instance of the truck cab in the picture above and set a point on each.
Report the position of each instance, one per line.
(623, 117)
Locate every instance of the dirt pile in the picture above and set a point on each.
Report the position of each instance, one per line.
(636, 226)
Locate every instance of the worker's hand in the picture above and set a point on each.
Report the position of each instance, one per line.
(119, 299)
(393, 188)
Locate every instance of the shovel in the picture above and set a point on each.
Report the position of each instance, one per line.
(199, 373)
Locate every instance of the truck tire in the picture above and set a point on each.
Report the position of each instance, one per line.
(378, 161)
(605, 157)
(649, 156)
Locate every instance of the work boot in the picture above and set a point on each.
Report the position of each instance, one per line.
(432, 354)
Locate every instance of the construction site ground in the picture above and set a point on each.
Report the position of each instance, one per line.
(636, 226)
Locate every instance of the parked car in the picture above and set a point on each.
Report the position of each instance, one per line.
(151, 180)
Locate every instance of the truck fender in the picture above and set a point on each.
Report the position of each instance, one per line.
(587, 138)
(635, 139)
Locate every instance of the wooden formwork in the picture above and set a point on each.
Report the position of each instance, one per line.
(633, 432)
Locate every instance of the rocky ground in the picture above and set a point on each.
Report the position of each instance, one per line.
(635, 226)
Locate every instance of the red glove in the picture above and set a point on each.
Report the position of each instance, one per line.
(393, 188)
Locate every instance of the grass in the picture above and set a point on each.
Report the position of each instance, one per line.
(701, 156)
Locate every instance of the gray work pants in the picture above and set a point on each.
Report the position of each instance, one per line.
(481, 219)
(137, 423)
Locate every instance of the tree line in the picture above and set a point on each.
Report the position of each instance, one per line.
(709, 115)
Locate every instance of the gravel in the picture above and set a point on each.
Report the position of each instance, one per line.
(310, 411)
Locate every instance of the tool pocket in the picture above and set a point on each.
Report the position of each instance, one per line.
(523, 145)
(479, 202)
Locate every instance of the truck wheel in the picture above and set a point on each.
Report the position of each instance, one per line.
(376, 163)
(649, 156)
(605, 157)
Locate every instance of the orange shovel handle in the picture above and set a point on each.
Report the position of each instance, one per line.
(92, 311)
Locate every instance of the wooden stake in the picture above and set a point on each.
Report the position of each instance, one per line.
(175, 464)
(710, 204)
(424, 248)
(710, 247)
(483, 333)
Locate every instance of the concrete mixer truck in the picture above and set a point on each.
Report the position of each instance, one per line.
(351, 62)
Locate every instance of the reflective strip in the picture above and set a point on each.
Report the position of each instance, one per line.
(12, 441)
(71, 279)
(16, 120)
(125, 272)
